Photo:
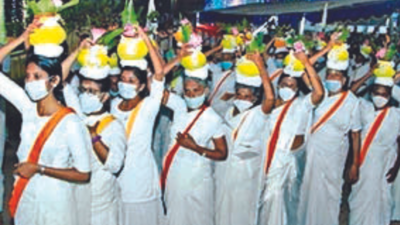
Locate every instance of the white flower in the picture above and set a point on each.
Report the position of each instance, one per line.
(58, 3)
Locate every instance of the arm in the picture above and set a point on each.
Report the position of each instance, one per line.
(265, 54)
(183, 53)
(317, 93)
(359, 83)
(219, 153)
(321, 53)
(356, 144)
(392, 174)
(110, 150)
(28, 170)
(8, 48)
(158, 68)
(212, 51)
(68, 62)
(269, 96)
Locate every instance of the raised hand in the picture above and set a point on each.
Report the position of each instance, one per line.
(186, 50)
(302, 57)
(333, 39)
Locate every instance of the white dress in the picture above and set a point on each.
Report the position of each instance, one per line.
(370, 199)
(239, 186)
(189, 193)
(46, 200)
(100, 206)
(2, 147)
(396, 199)
(139, 179)
(327, 151)
(227, 86)
(282, 184)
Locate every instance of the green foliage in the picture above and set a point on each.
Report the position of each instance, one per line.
(257, 44)
(308, 44)
(129, 15)
(99, 13)
(47, 6)
(345, 34)
(153, 16)
(109, 39)
(186, 32)
(391, 51)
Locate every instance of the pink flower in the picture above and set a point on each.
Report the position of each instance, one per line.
(185, 21)
(299, 46)
(195, 40)
(321, 35)
(381, 53)
(97, 33)
(58, 3)
(130, 31)
(235, 31)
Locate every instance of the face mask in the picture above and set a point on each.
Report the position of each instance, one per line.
(321, 60)
(333, 85)
(195, 103)
(127, 91)
(286, 93)
(36, 90)
(113, 93)
(242, 105)
(90, 103)
(278, 63)
(379, 101)
(226, 65)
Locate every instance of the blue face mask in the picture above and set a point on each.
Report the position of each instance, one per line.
(321, 60)
(226, 65)
(278, 63)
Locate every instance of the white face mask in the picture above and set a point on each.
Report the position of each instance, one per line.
(127, 91)
(286, 93)
(195, 103)
(333, 85)
(90, 103)
(379, 101)
(37, 89)
(242, 105)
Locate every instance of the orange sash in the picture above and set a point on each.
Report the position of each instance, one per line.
(103, 124)
(330, 112)
(373, 130)
(220, 82)
(34, 155)
(236, 131)
(132, 119)
(169, 157)
(273, 140)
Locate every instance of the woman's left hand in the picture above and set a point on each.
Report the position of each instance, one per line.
(186, 141)
(26, 169)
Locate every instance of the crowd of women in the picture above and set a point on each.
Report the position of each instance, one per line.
(240, 128)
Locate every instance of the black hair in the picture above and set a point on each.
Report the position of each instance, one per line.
(301, 85)
(105, 84)
(141, 75)
(197, 80)
(257, 91)
(52, 66)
